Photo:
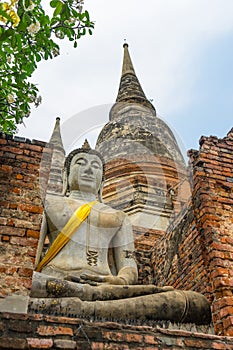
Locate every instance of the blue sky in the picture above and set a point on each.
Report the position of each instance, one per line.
(211, 112)
(181, 50)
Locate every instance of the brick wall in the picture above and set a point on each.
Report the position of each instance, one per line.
(197, 251)
(19, 331)
(22, 188)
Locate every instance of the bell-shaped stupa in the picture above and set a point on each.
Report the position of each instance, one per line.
(146, 174)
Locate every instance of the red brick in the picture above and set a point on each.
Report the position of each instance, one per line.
(133, 338)
(218, 346)
(9, 270)
(226, 301)
(222, 247)
(19, 176)
(35, 343)
(228, 322)
(16, 190)
(115, 336)
(223, 282)
(31, 208)
(32, 147)
(33, 167)
(26, 242)
(13, 231)
(62, 319)
(25, 272)
(7, 168)
(218, 271)
(32, 233)
(98, 346)
(54, 330)
(226, 311)
(229, 332)
(5, 238)
(150, 339)
(13, 205)
(196, 343)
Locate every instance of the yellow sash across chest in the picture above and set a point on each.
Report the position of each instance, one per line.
(66, 233)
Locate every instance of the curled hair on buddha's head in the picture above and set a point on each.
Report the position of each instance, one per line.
(66, 170)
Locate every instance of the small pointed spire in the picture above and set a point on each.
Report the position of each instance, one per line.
(127, 66)
(56, 138)
(86, 146)
(55, 182)
(130, 89)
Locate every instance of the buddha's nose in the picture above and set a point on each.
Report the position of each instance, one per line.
(89, 171)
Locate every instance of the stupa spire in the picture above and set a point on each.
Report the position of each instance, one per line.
(55, 183)
(130, 90)
(55, 138)
(127, 66)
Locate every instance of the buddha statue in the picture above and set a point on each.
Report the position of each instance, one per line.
(89, 269)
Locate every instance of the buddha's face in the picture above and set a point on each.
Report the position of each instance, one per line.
(86, 171)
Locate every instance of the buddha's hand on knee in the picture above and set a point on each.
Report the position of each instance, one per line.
(104, 279)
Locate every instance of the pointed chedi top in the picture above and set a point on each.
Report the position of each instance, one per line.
(127, 66)
(55, 182)
(55, 138)
(130, 90)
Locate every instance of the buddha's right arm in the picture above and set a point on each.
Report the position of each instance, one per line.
(43, 233)
(123, 248)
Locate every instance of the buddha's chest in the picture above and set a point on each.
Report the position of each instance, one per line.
(99, 225)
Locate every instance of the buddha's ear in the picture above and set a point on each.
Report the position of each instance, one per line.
(65, 189)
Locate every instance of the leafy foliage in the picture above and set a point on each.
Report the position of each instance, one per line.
(27, 36)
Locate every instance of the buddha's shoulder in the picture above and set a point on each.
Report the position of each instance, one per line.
(59, 203)
(110, 212)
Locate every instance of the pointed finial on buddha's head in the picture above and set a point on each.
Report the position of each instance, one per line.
(86, 146)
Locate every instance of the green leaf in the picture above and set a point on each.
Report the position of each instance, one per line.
(58, 8)
(13, 40)
(19, 41)
(53, 3)
(38, 57)
(27, 3)
(75, 44)
(87, 16)
(7, 34)
(75, 14)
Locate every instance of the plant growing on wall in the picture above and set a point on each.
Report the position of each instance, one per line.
(28, 35)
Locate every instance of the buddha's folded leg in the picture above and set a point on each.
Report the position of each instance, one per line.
(175, 306)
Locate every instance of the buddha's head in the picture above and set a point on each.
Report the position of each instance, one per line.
(83, 171)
